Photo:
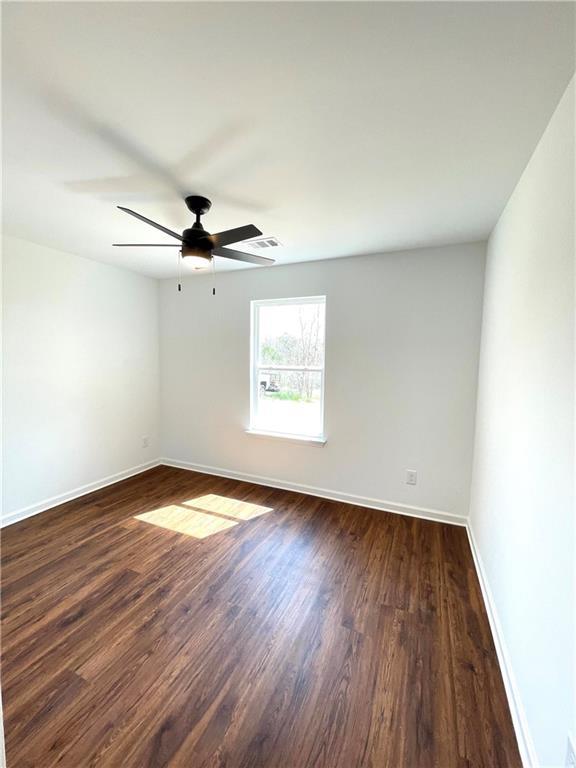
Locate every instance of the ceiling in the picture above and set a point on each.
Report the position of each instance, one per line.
(340, 128)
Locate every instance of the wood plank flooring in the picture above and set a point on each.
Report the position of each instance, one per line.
(178, 619)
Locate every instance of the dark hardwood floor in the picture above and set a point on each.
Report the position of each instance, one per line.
(270, 629)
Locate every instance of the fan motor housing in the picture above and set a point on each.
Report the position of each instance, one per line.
(196, 242)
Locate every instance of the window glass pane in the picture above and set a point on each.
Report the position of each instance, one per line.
(291, 334)
(289, 402)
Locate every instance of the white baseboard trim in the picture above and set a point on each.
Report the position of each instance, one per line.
(435, 515)
(53, 501)
(519, 720)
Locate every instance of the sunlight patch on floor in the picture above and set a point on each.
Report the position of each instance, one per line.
(183, 519)
(222, 505)
(204, 515)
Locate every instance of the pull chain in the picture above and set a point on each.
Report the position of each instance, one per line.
(179, 270)
(213, 276)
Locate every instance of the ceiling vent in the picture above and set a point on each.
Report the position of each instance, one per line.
(263, 242)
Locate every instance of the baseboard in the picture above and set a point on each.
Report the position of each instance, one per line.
(53, 501)
(363, 501)
(523, 736)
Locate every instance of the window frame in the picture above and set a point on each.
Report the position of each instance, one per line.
(255, 367)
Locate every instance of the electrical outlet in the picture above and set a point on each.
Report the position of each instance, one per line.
(145, 442)
(411, 477)
(571, 753)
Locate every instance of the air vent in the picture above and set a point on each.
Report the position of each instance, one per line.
(264, 242)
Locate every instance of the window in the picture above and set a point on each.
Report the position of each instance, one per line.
(287, 376)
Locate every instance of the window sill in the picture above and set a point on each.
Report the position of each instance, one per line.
(302, 439)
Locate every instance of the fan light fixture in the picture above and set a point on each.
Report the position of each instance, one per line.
(197, 262)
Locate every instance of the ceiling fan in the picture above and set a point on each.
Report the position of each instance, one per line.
(197, 245)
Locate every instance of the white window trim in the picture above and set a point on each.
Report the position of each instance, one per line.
(301, 439)
(254, 367)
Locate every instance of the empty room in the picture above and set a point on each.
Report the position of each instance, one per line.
(288, 385)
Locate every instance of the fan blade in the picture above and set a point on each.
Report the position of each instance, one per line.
(230, 236)
(229, 253)
(149, 221)
(147, 245)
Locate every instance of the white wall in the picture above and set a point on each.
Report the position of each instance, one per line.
(80, 364)
(522, 510)
(401, 371)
